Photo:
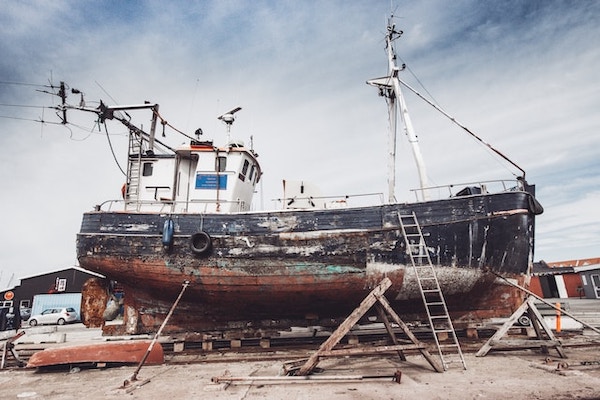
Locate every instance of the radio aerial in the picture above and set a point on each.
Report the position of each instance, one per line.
(228, 119)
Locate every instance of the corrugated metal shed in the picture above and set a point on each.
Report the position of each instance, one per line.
(42, 302)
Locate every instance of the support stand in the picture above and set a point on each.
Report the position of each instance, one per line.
(539, 325)
(8, 349)
(384, 309)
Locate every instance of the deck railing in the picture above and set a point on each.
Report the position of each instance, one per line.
(465, 189)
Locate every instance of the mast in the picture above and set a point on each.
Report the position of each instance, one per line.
(389, 87)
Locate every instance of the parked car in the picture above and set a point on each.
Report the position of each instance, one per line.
(58, 316)
(25, 313)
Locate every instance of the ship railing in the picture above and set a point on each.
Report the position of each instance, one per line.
(328, 202)
(467, 188)
(170, 206)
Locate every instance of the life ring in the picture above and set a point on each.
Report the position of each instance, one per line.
(200, 242)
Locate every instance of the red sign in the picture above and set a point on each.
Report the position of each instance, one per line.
(9, 295)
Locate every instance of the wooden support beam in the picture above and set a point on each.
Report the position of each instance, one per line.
(371, 350)
(374, 297)
(345, 326)
(539, 325)
(388, 328)
(530, 293)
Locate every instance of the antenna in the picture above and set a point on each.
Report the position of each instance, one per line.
(63, 96)
(228, 118)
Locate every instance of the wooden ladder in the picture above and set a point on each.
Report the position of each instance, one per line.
(431, 293)
(134, 168)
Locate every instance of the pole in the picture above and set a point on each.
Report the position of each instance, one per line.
(558, 326)
(134, 376)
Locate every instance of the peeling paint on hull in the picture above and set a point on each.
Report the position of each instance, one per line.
(293, 264)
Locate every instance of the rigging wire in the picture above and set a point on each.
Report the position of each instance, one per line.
(22, 84)
(431, 100)
(164, 122)
(20, 105)
(112, 150)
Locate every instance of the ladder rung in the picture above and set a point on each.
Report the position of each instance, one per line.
(448, 345)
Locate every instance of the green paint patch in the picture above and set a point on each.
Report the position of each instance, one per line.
(321, 269)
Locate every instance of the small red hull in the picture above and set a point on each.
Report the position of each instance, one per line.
(129, 352)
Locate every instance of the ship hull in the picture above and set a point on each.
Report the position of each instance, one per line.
(301, 265)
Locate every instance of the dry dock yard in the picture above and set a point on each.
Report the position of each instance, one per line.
(258, 372)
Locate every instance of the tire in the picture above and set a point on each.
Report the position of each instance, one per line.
(60, 321)
(200, 243)
(524, 320)
(32, 322)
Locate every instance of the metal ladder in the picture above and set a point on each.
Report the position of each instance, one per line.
(431, 293)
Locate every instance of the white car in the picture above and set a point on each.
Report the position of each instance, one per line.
(58, 316)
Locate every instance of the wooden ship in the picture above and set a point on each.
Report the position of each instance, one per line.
(186, 215)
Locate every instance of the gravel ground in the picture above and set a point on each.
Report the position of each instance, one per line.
(499, 375)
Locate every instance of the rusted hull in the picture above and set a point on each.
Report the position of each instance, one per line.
(130, 352)
(291, 265)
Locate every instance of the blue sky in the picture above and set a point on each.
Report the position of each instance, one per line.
(521, 74)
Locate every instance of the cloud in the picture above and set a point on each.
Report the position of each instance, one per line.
(520, 74)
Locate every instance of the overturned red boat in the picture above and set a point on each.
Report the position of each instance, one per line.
(125, 352)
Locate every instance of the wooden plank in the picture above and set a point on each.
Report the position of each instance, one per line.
(371, 350)
(345, 326)
(523, 343)
(4, 347)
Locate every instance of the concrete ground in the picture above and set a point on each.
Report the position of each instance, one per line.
(515, 375)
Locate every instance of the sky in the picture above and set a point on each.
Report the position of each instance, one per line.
(522, 74)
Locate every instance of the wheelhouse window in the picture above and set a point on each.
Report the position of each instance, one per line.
(220, 164)
(147, 169)
(242, 175)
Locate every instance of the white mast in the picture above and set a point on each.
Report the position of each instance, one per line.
(389, 87)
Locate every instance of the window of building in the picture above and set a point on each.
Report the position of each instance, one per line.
(25, 304)
(61, 284)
